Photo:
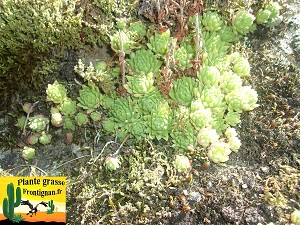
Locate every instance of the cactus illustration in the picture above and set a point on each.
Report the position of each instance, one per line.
(11, 202)
(51, 205)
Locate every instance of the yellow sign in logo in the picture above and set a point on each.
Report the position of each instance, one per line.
(32, 199)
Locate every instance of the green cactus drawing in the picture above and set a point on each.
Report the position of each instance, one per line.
(11, 202)
(51, 205)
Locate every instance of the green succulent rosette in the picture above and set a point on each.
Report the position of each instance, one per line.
(241, 99)
(230, 81)
(241, 67)
(56, 92)
(68, 123)
(274, 9)
(38, 123)
(139, 85)
(89, 97)
(213, 98)
(109, 125)
(212, 21)
(262, 16)
(81, 119)
(138, 28)
(243, 22)
(96, 116)
(124, 113)
(226, 34)
(144, 61)
(160, 123)
(28, 153)
(139, 129)
(218, 123)
(183, 58)
(126, 41)
(206, 136)
(183, 136)
(67, 107)
(219, 152)
(112, 163)
(150, 101)
(234, 143)
(182, 163)
(183, 90)
(209, 76)
(200, 116)
(214, 50)
(159, 43)
(108, 102)
(232, 118)
(45, 139)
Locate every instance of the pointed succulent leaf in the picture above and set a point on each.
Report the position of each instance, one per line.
(67, 107)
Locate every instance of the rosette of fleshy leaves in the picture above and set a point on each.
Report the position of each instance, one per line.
(262, 16)
(212, 21)
(139, 129)
(38, 123)
(241, 65)
(140, 84)
(230, 81)
(68, 123)
(138, 28)
(219, 152)
(144, 61)
(209, 76)
(214, 50)
(182, 163)
(126, 41)
(243, 22)
(159, 43)
(232, 139)
(243, 98)
(160, 122)
(218, 123)
(45, 138)
(123, 113)
(96, 116)
(67, 107)
(213, 98)
(206, 136)
(89, 97)
(56, 92)
(200, 116)
(232, 118)
(274, 18)
(183, 137)
(183, 58)
(227, 35)
(150, 101)
(81, 119)
(56, 117)
(183, 90)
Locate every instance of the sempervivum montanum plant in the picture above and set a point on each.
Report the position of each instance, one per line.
(89, 97)
(144, 61)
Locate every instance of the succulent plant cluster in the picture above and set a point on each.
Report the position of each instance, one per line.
(198, 112)
(200, 109)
